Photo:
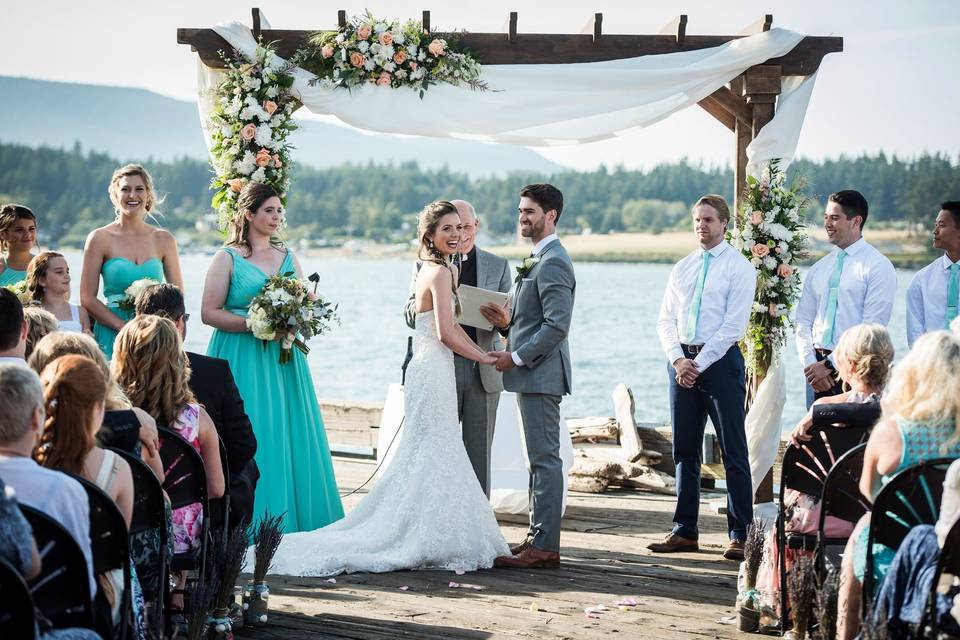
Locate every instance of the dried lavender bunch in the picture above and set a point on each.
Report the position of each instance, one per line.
(753, 547)
(266, 539)
(228, 561)
(800, 585)
(201, 599)
(825, 606)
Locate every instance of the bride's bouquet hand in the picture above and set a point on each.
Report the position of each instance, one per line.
(490, 359)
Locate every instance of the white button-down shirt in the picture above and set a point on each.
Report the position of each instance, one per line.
(537, 249)
(865, 293)
(725, 304)
(927, 299)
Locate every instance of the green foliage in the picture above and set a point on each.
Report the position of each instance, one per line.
(68, 191)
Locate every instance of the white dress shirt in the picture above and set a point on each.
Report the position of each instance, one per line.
(537, 248)
(725, 303)
(865, 293)
(927, 299)
(57, 495)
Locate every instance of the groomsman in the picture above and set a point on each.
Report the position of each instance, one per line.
(703, 316)
(478, 385)
(851, 285)
(933, 294)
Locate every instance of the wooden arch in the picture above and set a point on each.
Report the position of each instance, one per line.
(743, 106)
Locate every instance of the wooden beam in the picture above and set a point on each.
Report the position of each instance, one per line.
(743, 135)
(676, 27)
(594, 27)
(759, 25)
(256, 23)
(426, 22)
(341, 18)
(734, 105)
(804, 59)
(714, 108)
(512, 27)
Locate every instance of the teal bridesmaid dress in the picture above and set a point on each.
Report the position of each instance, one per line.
(118, 274)
(296, 472)
(12, 276)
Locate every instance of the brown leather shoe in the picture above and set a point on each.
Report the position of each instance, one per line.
(517, 549)
(530, 558)
(734, 550)
(673, 543)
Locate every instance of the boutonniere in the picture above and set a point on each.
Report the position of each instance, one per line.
(524, 268)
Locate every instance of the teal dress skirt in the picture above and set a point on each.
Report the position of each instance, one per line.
(12, 276)
(922, 441)
(296, 471)
(118, 274)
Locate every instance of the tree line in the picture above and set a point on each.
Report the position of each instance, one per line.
(68, 191)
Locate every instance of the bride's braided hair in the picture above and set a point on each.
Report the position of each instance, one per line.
(429, 219)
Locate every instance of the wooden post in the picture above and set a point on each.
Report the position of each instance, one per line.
(512, 27)
(426, 22)
(743, 134)
(256, 23)
(342, 18)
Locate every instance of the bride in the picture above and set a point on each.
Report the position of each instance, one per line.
(428, 510)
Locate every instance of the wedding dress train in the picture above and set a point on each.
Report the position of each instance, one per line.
(428, 510)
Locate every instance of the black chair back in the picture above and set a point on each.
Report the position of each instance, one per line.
(841, 498)
(62, 590)
(220, 507)
(186, 479)
(910, 498)
(16, 605)
(949, 563)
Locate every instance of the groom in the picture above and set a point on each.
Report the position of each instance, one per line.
(537, 367)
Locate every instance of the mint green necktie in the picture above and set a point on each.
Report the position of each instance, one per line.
(827, 339)
(694, 316)
(953, 292)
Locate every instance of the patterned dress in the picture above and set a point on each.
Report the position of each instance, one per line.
(188, 520)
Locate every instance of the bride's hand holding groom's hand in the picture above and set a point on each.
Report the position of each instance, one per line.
(502, 360)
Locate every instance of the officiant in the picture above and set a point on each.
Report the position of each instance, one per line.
(478, 386)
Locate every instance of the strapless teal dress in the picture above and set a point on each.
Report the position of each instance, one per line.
(119, 273)
(296, 472)
(12, 276)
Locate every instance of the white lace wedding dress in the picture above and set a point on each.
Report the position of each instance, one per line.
(428, 510)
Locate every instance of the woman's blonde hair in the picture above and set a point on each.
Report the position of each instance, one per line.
(62, 343)
(152, 368)
(925, 386)
(251, 198)
(133, 170)
(40, 322)
(427, 251)
(868, 350)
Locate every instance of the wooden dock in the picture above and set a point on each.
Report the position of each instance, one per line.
(603, 559)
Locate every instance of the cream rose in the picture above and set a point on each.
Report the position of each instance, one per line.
(270, 106)
(784, 270)
(263, 158)
(357, 59)
(760, 250)
(436, 47)
(386, 38)
(757, 218)
(772, 309)
(400, 56)
(383, 80)
(326, 51)
(236, 185)
(249, 132)
(363, 32)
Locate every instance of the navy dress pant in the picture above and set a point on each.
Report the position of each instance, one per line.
(720, 392)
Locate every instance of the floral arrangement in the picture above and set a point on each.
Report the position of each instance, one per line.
(249, 127)
(771, 233)
(287, 311)
(20, 290)
(368, 50)
(129, 301)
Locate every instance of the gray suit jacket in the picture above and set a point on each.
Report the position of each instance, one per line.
(493, 272)
(542, 309)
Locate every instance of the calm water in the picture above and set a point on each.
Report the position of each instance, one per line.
(613, 338)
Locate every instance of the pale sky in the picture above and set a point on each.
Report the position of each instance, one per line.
(895, 87)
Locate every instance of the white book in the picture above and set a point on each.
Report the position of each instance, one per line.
(471, 299)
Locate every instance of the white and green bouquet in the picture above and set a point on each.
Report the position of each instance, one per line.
(285, 310)
(20, 290)
(129, 300)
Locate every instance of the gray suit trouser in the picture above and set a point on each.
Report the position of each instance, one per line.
(478, 414)
(541, 429)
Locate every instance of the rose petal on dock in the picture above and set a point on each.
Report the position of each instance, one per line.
(331, 580)
(404, 588)
(627, 602)
(453, 585)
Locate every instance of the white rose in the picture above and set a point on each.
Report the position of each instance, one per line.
(369, 65)
(380, 27)
(412, 50)
(398, 37)
(272, 92)
(252, 83)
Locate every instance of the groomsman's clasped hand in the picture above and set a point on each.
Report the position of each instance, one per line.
(687, 372)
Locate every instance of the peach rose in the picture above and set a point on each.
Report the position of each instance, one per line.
(263, 158)
(772, 309)
(357, 59)
(784, 270)
(436, 47)
(757, 217)
(386, 38)
(400, 56)
(270, 106)
(383, 80)
(363, 32)
(276, 161)
(236, 185)
(249, 132)
(413, 66)
(326, 51)
(760, 250)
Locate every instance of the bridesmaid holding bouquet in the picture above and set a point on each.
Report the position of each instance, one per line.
(125, 251)
(292, 452)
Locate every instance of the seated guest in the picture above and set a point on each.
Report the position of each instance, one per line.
(124, 426)
(921, 422)
(150, 365)
(863, 355)
(55, 494)
(48, 283)
(39, 323)
(211, 381)
(13, 328)
(74, 390)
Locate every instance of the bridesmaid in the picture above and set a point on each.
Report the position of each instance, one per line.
(293, 456)
(18, 237)
(124, 251)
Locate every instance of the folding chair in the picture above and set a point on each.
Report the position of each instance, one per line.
(62, 590)
(220, 507)
(842, 499)
(17, 619)
(949, 564)
(910, 498)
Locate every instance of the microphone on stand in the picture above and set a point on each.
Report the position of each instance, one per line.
(406, 360)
